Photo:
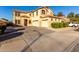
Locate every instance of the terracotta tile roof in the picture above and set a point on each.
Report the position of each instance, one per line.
(51, 17)
(30, 11)
(39, 8)
(21, 11)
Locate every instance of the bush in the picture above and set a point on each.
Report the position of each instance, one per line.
(10, 24)
(59, 25)
(2, 29)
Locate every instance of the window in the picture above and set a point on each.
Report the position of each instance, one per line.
(29, 21)
(35, 20)
(55, 19)
(30, 14)
(33, 14)
(17, 14)
(45, 20)
(51, 19)
(37, 13)
(43, 12)
(15, 21)
(18, 21)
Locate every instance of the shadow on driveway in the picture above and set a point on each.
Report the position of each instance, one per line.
(10, 36)
(13, 30)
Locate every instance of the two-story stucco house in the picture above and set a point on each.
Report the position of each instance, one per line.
(42, 17)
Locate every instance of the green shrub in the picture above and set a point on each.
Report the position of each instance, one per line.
(10, 24)
(59, 25)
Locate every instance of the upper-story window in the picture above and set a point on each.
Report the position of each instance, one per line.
(33, 14)
(43, 12)
(55, 19)
(17, 14)
(37, 13)
(30, 14)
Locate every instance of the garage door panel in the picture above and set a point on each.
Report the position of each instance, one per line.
(35, 24)
(44, 23)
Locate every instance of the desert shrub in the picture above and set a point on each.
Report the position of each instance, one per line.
(66, 25)
(59, 25)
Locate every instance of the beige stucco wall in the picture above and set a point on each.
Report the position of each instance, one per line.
(22, 21)
(46, 22)
(37, 21)
(13, 15)
(20, 18)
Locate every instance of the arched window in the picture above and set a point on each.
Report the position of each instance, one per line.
(43, 12)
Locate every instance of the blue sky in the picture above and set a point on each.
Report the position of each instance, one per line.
(6, 11)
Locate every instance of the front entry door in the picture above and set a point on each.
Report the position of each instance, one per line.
(25, 22)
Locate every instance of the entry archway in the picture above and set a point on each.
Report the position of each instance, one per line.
(25, 22)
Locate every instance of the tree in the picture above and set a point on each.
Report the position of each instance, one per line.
(60, 14)
(2, 29)
(71, 16)
(77, 16)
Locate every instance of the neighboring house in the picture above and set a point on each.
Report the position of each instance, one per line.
(3, 21)
(65, 19)
(42, 17)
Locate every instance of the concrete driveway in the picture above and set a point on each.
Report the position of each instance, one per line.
(36, 39)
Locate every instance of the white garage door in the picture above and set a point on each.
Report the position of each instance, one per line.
(44, 23)
(36, 23)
